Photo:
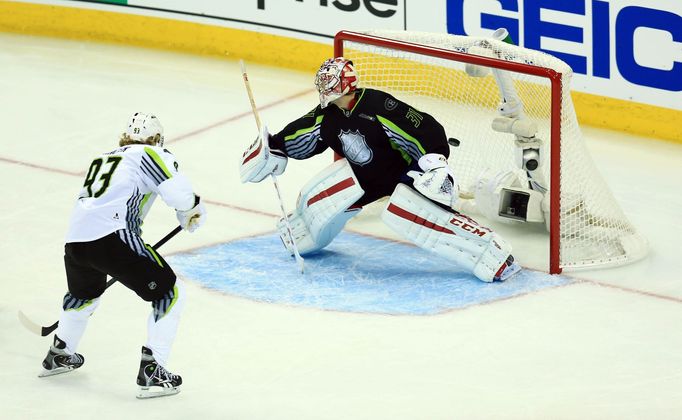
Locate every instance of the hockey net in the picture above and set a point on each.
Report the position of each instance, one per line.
(587, 227)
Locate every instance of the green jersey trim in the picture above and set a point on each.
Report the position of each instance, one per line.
(358, 101)
(83, 306)
(154, 254)
(306, 130)
(404, 154)
(409, 147)
(158, 161)
(175, 299)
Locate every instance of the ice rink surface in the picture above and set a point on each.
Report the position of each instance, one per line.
(590, 345)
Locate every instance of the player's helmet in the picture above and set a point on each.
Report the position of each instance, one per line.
(335, 78)
(142, 126)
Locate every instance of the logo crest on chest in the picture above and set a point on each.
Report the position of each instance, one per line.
(355, 147)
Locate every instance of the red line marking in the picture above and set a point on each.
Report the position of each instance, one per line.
(236, 117)
(266, 214)
(80, 174)
(42, 168)
(578, 280)
(179, 138)
(244, 209)
(623, 289)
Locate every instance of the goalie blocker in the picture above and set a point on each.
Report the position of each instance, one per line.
(260, 161)
(326, 204)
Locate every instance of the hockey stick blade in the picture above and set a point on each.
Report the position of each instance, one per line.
(35, 328)
(44, 331)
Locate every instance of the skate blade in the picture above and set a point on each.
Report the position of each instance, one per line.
(56, 371)
(155, 392)
(510, 272)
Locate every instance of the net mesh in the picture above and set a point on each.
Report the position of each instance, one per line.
(593, 229)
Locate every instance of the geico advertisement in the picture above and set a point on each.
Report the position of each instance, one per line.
(626, 49)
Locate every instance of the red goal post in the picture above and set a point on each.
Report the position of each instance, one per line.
(427, 71)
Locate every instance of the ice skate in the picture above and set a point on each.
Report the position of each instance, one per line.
(59, 361)
(154, 380)
(509, 270)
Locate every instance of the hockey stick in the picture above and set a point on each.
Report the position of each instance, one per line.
(43, 331)
(297, 255)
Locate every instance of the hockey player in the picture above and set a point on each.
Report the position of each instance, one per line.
(104, 238)
(390, 149)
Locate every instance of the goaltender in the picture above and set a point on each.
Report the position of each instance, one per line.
(389, 149)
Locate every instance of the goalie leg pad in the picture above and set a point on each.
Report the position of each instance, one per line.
(323, 208)
(451, 235)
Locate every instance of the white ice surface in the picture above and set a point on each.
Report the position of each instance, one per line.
(608, 347)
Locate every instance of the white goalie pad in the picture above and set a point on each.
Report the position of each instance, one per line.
(322, 209)
(504, 197)
(451, 235)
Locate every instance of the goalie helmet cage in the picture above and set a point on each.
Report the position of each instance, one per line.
(586, 226)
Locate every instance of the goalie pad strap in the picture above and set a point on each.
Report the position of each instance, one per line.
(453, 236)
(323, 208)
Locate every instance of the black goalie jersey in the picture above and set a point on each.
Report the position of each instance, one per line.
(381, 137)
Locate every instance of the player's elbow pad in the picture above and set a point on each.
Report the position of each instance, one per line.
(177, 192)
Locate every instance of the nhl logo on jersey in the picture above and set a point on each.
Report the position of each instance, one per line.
(355, 147)
(390, 104)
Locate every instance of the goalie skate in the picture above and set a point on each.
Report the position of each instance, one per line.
(508, 270)
(59, 361)
(154, 380)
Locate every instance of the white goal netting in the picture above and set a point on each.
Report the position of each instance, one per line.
(427, 71)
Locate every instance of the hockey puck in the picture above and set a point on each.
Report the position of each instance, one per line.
(453, 142)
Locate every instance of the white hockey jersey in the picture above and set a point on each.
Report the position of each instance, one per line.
(120, 188)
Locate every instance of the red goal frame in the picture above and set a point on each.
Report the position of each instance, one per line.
(555, 79)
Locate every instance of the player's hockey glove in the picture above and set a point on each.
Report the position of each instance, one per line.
(192, 219)
(437, 181)
(259, 161)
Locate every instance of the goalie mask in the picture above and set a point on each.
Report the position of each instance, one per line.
(142, 126)
(335, 78)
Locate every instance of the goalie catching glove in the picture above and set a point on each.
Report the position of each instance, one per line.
(190, 220)
(259, 161)
(437, 182)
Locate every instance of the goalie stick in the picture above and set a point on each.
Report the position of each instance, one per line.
(247, 85)
(44, 331)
